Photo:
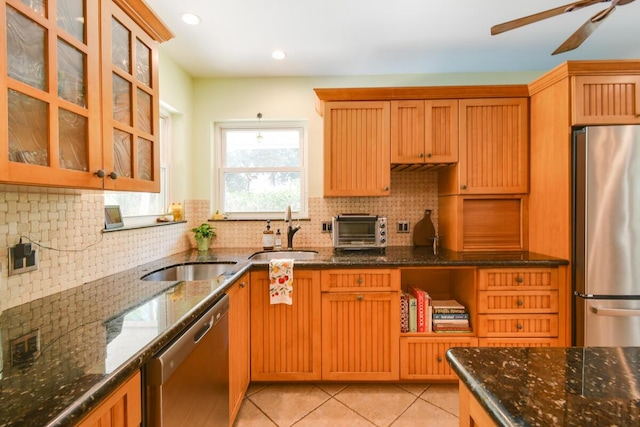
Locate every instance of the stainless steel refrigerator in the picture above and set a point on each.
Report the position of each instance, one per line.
(606, 209)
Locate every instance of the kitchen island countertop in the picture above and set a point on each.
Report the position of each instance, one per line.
(93, 337)
(552, 387)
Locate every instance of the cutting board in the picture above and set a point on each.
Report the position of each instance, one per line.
(424, 231)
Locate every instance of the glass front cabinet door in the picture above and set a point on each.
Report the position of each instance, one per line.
(50, 100)
(60, 124)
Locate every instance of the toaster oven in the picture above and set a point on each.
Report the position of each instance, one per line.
(359, 231)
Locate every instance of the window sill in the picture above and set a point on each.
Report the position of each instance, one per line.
(135, 227)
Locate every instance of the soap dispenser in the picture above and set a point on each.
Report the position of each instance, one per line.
(268, 237)
(278, 243)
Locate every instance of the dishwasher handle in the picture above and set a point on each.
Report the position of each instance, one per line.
(617, 312)
(161, 366)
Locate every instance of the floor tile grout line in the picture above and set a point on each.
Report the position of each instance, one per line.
(405, 409)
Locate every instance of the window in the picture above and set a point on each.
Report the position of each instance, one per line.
(262, 169)
(134, 204)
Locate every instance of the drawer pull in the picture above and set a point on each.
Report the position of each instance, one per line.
(360, 297)
(243, 284)
(439, 359)
(359, 280)
(518, 326)
(519, 279)
(520, 302)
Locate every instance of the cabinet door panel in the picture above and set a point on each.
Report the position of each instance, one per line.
(285, 339)
(493, 146)
(360, 336)
(441, 131)
(606, 100)
(357, 149)
(511, 279)
(511, 325)
(518, 301)
(424, 358)
(239, 343)
(407, 132)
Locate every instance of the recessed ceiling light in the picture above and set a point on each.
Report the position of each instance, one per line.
(191, 18)
(278, 54)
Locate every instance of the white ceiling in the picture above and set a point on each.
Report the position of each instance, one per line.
(366, 37)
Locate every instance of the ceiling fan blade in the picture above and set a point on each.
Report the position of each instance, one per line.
(520, 22)
(581, 34)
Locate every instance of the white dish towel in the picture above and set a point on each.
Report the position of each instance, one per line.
(280, 281)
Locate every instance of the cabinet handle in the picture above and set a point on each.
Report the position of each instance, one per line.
(520, 302)
(428, 154)
(463, 186)
(359, 281)
(100, 173)
(386, 188)
(243, 284)
(420, 155)
(519, 279)
(360, 297)
(439, 359)
(113, 175)
(518, 326)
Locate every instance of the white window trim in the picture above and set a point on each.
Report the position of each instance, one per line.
(217, 189)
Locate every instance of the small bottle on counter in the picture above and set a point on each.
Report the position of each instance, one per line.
(267, 237)
(278, 242)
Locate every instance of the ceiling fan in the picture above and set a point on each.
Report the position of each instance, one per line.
(581, 33)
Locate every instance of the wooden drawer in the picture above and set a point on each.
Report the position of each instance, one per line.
(517, 342)
(512, 279)
(518, 302)
(424, 358)
(511, 325)
(360, 280)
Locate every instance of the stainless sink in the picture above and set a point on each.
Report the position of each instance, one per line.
(269, 255)
(186, 272)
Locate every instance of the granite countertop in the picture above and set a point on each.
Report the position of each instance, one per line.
(93, 337)
(554, 387)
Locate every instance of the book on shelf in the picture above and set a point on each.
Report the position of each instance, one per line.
(413, 313)
(404, 312)
(449, 306)
(443, 327)
(423, 302)
(450, 321)
(450, 316)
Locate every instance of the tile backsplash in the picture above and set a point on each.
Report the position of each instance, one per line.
(65, 227)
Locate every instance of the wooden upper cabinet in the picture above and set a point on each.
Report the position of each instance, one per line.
(64, 92)
(357, 148)
(606, 100)
(424, 132)
(493, 148)
(130, 104)
(50, 94)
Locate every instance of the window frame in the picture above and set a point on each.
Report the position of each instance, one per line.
(220, 166)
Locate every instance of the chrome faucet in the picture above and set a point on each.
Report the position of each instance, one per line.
(290, 230)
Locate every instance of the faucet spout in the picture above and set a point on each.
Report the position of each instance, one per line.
(291, 231)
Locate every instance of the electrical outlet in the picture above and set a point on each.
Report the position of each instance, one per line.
(326, 227)
(22, 258)
(403, 227)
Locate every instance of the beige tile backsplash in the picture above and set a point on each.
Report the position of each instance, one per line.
(68, 225)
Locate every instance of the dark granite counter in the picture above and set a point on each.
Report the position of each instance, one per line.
(93, 337)
(554, 387)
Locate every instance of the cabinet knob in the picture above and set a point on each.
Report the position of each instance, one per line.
(420, 155)
(100, 173)
(243, 284)
(519, 326)
(360, 297)
(463, 186)
(428, 154)
(519, 279)
(386, 188)
(359, 281)
(439, 359)
(113, 175)
(520, 302)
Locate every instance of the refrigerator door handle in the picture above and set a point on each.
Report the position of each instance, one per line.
(618, 312)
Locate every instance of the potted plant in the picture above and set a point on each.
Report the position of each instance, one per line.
(203, 234)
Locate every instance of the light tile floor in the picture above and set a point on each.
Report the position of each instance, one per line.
(352, 405)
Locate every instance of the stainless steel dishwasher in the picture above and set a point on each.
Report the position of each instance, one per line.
(187, 383)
